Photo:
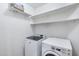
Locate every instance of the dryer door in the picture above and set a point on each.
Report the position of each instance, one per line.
(50, 53)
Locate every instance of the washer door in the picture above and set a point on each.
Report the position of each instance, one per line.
(50, 53)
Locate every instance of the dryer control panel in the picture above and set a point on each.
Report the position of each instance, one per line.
(61, 50)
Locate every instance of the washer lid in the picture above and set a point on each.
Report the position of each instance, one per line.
(36, 38)
(63, 43)
(50, 53)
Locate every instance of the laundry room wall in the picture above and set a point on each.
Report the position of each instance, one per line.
(58, 29)
(74, 37)
(14, 28)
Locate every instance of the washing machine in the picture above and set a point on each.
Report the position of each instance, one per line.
(56, 47)
(33, 45)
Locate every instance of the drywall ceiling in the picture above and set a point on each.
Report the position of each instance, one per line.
(36, 5)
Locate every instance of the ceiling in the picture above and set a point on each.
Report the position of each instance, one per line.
(36, 5)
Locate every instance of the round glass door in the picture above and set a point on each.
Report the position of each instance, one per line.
(50, 53)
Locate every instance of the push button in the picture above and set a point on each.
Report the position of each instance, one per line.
(58, 49)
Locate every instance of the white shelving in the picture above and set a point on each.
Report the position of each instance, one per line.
(57, 7)
(63, 12)
(32, 23)
(68, 13)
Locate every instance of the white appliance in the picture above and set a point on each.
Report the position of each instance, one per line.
(33, 46)
(56, 47)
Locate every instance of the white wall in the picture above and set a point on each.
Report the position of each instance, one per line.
(13, 30)
(61, 29)
(74, 37)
